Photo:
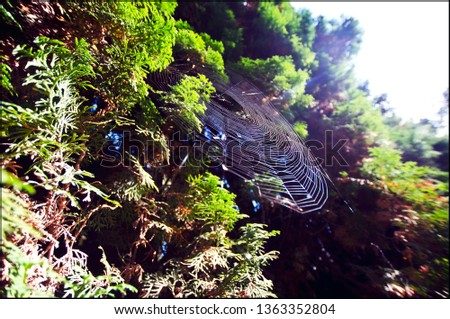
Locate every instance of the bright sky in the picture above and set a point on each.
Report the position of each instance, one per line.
(405, 51)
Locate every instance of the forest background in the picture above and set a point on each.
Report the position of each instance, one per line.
(80, 81)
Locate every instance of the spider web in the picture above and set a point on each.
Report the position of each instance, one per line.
(247, 136)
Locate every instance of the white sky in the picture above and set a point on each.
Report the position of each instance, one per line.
(405, 51)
